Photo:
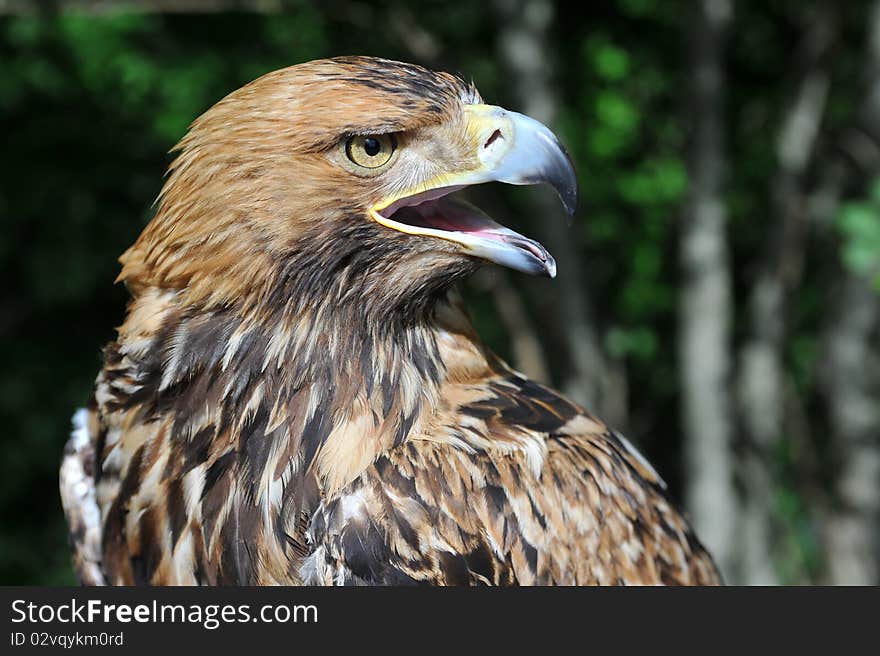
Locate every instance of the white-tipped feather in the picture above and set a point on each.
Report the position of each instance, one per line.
(77, 485)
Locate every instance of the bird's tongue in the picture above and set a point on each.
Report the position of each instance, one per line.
(456, 215)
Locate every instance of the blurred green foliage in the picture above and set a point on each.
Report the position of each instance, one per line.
(90, 106)
(859, 225)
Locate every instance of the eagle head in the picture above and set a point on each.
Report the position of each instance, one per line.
(331, 181)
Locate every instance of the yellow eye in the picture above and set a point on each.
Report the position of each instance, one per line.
(370, 151)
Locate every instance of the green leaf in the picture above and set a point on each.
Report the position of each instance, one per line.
(859, 225)
(616, 112)
(612, 62)
(639, 342)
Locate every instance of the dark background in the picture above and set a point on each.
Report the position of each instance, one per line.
(718, 293)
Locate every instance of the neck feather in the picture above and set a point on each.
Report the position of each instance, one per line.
(321, 388)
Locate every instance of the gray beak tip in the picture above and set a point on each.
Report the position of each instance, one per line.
(569, 198)
(563, 178)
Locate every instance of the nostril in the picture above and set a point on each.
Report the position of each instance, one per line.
(495, 135)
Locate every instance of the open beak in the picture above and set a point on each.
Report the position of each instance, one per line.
(509, 147)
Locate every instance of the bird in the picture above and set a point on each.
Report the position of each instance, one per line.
(297, 395)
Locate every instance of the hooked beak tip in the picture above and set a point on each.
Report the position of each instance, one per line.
(564, 181)
(569, 198)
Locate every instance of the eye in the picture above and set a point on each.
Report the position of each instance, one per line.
(370, 151)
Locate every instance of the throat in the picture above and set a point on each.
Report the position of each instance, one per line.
(320, 392)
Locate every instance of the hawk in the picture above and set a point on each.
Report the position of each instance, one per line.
(297, 396)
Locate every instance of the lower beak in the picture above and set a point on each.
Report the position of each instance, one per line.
(510, 148)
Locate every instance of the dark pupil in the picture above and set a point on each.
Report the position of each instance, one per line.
(372, 146)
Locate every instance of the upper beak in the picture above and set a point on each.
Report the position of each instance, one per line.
(517, 149)
(511, 148)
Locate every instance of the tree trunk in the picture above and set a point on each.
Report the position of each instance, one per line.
(526, 52)
(705, 308)
(852, 372)
(851, 387)
(761, 381)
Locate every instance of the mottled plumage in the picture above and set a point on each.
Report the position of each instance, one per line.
(296, 394)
